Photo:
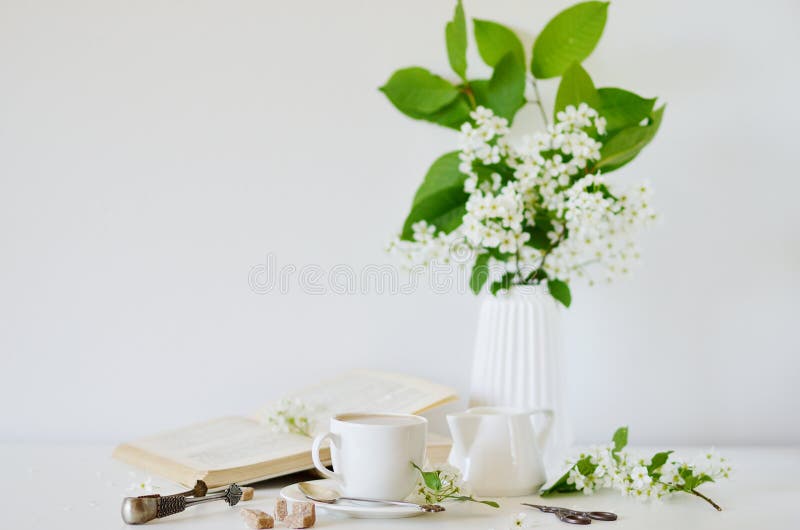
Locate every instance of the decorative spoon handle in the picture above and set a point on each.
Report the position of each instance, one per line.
(423, 507)
(139, 510)
(232, 496)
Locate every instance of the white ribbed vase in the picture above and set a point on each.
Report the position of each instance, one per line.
(518, 359)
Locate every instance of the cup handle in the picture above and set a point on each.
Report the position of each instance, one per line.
(544, 434)
(315, 447)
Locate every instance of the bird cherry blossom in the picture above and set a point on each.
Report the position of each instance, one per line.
(539, 204)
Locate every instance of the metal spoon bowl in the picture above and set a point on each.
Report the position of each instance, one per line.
(324, 495)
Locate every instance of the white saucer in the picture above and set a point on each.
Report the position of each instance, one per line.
(353, 509)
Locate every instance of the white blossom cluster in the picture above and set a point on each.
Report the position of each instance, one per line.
(288, 415)
(429, 246)
(629, 474)
(601, 230)
(539, 184)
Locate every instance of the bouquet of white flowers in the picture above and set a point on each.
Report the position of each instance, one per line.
(541, 209)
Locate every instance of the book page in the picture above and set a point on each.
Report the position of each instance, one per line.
(371, 392)
(224, 443)
(235, 442)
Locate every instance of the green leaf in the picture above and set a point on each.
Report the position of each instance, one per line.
(702, 479)
(473, 499)
(560, 486)
(584, 467)
(620, 439)
(689, 480)
(415, 91)
(480, 273)
(456, 37)
(658, 460)
(504, 93)
(692, 481)
(500, 256)
(452, 115)
(506, 90)
(560, 291)
(503, 283)
(495, 41)
(576, 87)
(431, 478)
(480, 90)
(538, 239)
(569, 37)
(622, 109)
(623, 146)
(440, 200)
(538, 232)
(537, 275)
(485, 172)
(442, 175)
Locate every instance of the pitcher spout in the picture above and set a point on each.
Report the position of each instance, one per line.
(464, 430)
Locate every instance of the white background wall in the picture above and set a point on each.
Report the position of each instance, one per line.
(153, 152)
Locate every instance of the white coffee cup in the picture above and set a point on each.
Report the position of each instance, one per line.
(372, 453)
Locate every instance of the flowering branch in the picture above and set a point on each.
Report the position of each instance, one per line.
(289, 415)
(655, 478)
(443, 483)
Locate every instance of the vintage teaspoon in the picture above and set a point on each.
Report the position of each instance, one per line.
(139, 510)
(324, 495)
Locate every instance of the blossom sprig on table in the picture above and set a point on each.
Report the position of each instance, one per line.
(441, 483)
(289, 415)
(609, 466)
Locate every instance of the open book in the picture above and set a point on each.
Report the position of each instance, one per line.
(246, 450)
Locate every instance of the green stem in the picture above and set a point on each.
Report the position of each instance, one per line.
(295, 427)
(539, 102)
(470, 96)
(693, 491)
(535, 273)
(709, 501)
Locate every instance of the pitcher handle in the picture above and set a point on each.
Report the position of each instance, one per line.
(544, 434)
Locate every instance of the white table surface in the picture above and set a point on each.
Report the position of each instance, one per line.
(80, 487)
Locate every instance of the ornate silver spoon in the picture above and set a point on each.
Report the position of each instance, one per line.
(139, 510)
(324, 495)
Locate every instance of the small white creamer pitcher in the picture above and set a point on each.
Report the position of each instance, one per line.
(498, 450)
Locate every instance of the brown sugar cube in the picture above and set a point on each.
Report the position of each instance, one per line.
(281, 509)
(303, 516)
(256, 518)
(248, 493)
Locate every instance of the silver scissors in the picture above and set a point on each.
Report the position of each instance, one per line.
(565, 515)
